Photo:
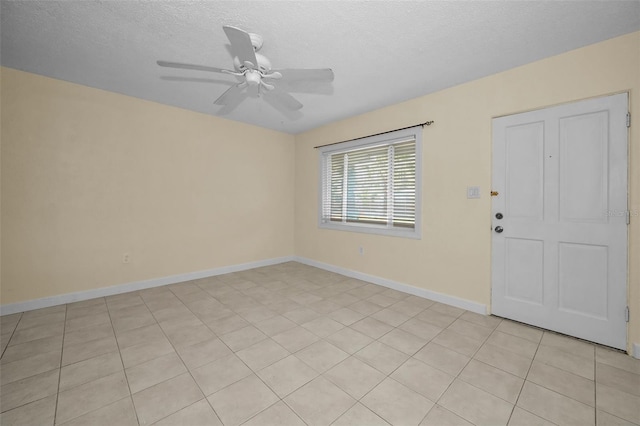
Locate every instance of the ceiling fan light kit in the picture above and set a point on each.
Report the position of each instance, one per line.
(252, 69)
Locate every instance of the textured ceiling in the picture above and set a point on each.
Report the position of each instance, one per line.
(382, 52)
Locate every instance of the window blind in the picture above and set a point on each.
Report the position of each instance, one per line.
(371, 186)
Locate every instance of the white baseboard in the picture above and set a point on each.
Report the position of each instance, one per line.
(635, 350)
(469, 305)
(62, 299)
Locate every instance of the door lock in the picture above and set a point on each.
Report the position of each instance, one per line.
(499, 216)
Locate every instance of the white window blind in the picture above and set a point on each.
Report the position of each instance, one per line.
(371, 184)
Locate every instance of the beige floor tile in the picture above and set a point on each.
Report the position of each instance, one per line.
(475, 405)
(442, 358)
(323, 326)
(243, 338)
(44, 311)
(564, 360)
(504, 359)
(345, 316)
(512, 343)
(86, 321)
(262, 354)
(403, 341)
(91, 396)
(440, 416)
(521, 417)
(443, 308)
(422, 378)
(569, 344)
(130, 322)
(41, 413)
(382, 357)
(360, 415)
(354, 377)
(121, 413)
(123, 301)
(397, 404)
(436, 318)
(420, 301)
(27, 367)
(457, 342)
(302, 315)
(202, 353)
(554, 407)
(605, 419)
(319, 402)
(239, 402)
(516, 329)
(28, 390)
(380, 300)
(324, 306)
(256, 315)
(343, 299)
(492, 380)
(199, 413)
(227, 324)
(40, 320)
(189, 335)
(295, 339)
(617, 359)
(488, 321)
(220, 373)
(35, 333)
(349, 340)
(421, 329)
(137, 354)
(284, 305)
(372, 327)
(166, 398)
(279, 414)
(563, 382)
(618, 403)
(275, 325)
(81, 351)
(321, 356)
(407, 307)
(618, 378)
(88, 334)
(390, 317)
(140, 335)
(305, 298)
(469, 329)
(287, 375)
(89, 370)
(155, 371)
(365, 307)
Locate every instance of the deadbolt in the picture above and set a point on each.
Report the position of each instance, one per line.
(499, 216)
(498, 229)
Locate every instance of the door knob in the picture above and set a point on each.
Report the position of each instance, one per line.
(499, 216)
(498, 229)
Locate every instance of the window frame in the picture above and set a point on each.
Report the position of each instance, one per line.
(385, 139)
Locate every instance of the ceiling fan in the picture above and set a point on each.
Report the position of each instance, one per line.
(255, 75)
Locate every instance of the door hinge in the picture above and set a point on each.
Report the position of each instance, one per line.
(628, 119)
(628, 217)
(626, 314)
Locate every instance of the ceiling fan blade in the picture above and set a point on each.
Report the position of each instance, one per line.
(321, 74)
(241, 45)
(282, 98)
(190, 66)
(233, 95)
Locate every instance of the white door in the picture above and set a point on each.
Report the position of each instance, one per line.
(560, 262)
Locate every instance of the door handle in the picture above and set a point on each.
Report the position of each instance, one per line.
(498, 229)
(499, 216)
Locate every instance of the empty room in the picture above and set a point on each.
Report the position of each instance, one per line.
(319, 213)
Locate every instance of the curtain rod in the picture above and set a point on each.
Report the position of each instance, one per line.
(426, 123)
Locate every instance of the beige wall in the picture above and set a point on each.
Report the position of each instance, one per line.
(89, 175)
(453, 256)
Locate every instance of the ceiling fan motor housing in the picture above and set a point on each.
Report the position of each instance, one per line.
(264, 64)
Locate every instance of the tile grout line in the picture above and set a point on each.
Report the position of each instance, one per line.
(64, 332)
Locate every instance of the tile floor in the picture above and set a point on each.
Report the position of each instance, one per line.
(294, 345)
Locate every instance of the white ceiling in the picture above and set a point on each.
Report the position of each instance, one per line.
(382, 52)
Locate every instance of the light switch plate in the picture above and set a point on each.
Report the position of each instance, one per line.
(473, 192)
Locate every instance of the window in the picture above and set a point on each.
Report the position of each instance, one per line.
(373, 184)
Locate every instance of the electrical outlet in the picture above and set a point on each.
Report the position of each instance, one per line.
(126, 258)
(361, 250)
